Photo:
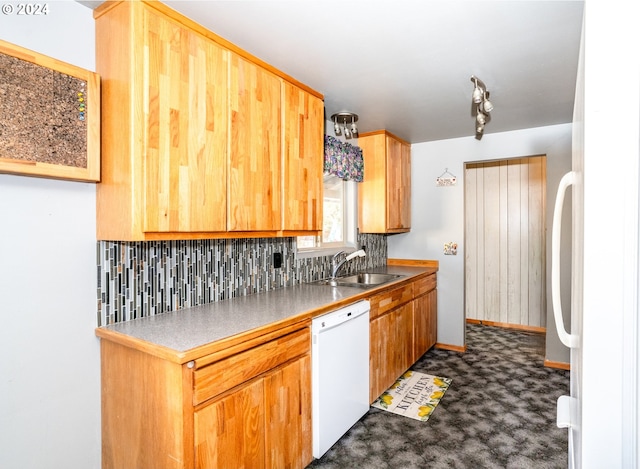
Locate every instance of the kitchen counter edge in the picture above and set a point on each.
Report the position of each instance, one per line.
(157, 335)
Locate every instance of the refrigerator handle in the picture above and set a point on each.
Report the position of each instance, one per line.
(567, 339)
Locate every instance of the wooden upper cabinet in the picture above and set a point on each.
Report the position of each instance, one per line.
(303, 126)
(164, 121)
(193, 131)
(384, 197)
(184, 99)
(255, 154)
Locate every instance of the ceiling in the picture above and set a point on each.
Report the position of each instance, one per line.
(405, 65)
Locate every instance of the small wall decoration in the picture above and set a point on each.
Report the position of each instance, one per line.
(450, 249)
(49, 117)
(446, 179)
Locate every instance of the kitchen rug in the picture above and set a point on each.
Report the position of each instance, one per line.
(414, 395)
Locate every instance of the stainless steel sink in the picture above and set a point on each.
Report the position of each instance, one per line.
(362, 280)
(369, 279)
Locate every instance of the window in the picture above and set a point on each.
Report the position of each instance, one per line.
(339, 227)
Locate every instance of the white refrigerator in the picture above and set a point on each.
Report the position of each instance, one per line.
(602, 412)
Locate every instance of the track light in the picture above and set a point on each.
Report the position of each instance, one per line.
(345, 121)
(486, 104)
(336, 128)
(480, 99)
(477, 95)
(354, 129)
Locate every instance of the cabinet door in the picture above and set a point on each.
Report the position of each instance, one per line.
(387, 184)
(404, 204)
(184, 104)
(398, 185)
(391, 353)
(303, 160)
(372, 198)
(230, 431)
(403, 349)
(433, 319)
(380, 336)
(288, 416)
(255, 154)
(425, 327)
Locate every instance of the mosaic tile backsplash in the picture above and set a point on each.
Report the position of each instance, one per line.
(138, 279)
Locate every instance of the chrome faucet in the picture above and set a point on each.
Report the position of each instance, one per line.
(336, 266)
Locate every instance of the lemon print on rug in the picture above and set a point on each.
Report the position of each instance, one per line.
(414, 395)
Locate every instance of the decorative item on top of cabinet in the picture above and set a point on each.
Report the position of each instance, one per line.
(384, 197)
(191, 148)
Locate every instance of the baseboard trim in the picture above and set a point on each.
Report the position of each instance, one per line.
(506, 325)
(453, 348)
(558, 365)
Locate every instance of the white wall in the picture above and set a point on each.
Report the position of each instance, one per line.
(438, 212)
(49, 355)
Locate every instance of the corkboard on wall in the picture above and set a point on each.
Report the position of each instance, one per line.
(49, 117)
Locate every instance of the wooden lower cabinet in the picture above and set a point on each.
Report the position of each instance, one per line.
(402, 329)
(263, 424)
(230, 431)
(250, 409)
(425, 316)
(425, 327)
(288, 420)
(391, 348)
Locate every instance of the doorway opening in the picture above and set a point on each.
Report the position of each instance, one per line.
(505, 243)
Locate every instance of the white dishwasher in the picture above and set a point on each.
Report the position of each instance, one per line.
(340, 373)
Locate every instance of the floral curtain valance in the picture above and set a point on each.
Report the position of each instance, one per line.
(343, 159)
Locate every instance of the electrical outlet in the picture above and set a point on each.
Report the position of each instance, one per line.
(277, 260)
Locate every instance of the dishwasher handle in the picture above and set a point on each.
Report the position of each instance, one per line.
(335, 318)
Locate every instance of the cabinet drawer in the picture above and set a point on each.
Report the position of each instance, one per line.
(225, 374)
(390, 299)
(424, 285)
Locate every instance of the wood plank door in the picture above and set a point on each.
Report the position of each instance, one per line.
(505, 241)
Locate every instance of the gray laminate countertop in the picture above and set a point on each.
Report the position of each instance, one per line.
(190, 328)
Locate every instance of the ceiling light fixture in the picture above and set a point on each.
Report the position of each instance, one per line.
(345, 122)
(483, 106)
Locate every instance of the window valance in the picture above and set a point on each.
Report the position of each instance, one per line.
(343, 159)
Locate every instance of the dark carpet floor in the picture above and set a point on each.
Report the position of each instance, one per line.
(499, 412)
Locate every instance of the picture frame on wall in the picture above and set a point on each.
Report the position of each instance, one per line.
(49, 117)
